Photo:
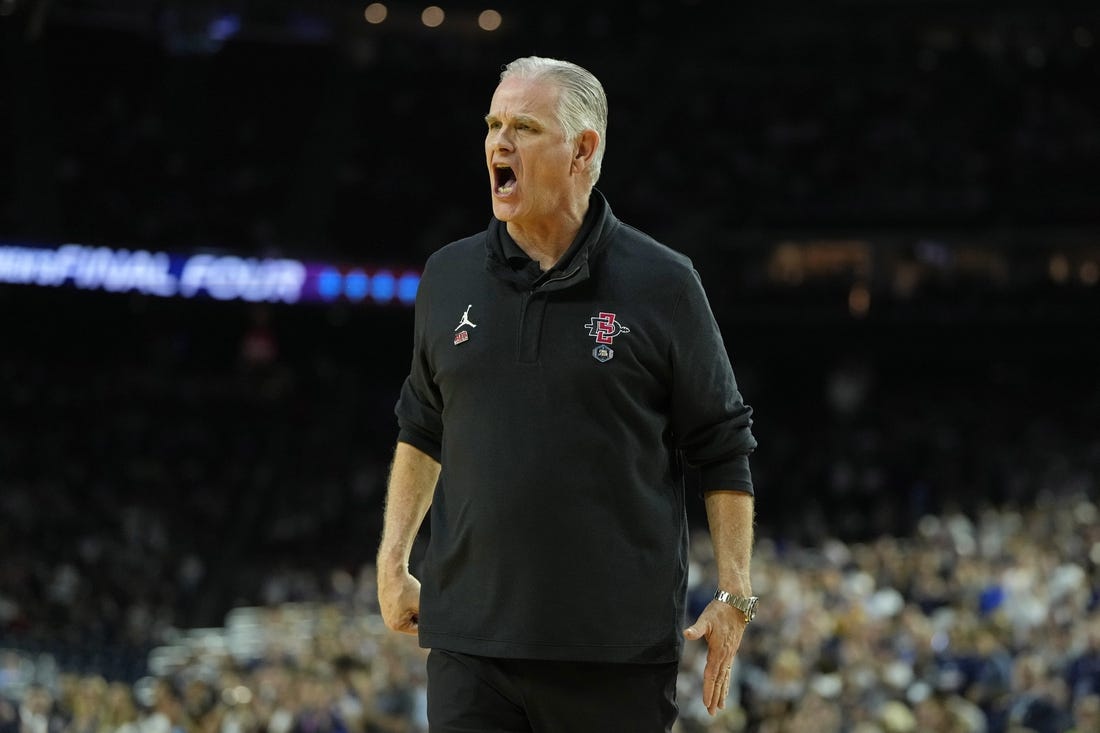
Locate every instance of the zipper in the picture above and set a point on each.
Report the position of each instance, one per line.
(559, 278)
(530, 333)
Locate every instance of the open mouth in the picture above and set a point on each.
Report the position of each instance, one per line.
(504, 179)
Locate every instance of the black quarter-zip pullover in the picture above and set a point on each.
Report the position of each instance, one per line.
(560, 405)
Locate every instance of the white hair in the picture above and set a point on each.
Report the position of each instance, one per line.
(582, 104)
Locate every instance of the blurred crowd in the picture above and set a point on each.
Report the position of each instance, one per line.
(192, 498)
(986, 624)
(156, 473)
(885, 115)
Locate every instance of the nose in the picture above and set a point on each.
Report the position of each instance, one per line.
(499, 139)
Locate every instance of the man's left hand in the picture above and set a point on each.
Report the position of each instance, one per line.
(722, 626)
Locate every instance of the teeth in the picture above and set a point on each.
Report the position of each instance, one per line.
(505, 190)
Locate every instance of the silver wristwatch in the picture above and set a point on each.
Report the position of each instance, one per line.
(745, 605)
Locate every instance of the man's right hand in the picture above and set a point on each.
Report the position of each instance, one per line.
(413, 477)
(399, 599)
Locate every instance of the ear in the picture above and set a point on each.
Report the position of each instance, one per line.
(588, 142)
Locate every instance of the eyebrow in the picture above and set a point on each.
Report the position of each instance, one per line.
(526, 119)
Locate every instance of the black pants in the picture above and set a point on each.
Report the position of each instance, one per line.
(482, 694)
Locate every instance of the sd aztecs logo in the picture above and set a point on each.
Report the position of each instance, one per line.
(604, 328)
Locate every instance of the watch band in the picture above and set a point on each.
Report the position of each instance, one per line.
(747, 606)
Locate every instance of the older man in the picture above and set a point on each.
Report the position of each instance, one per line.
(565, 368)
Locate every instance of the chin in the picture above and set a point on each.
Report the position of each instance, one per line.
(503, 211)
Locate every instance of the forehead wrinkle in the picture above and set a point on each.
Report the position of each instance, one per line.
(513, 101)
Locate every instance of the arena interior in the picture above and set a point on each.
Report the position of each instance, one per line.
(894, 206)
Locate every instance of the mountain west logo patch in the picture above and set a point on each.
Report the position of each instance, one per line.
(604, 328)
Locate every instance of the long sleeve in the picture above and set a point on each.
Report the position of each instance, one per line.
(710, 421)
(420, 407)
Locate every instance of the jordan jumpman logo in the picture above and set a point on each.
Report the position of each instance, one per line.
(466, 319)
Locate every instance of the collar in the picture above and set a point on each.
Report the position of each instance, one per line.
(513, 255)
(507, 261)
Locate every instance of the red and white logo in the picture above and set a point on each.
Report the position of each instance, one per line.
(605, 328)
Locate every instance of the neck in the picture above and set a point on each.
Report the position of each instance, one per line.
(545, 241)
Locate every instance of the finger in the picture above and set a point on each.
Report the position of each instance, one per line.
(718, 673)
(406, 623)
(712, 678)
(721, 688)
(697, 630)
(724, 688)
(710, 687)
